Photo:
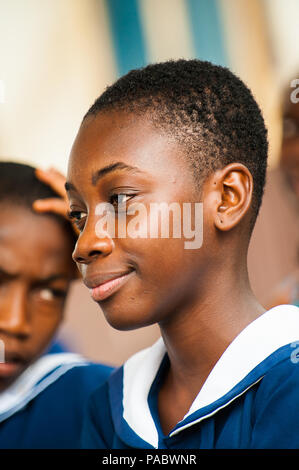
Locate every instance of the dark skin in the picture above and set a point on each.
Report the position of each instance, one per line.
(200, 298)
(35, 274)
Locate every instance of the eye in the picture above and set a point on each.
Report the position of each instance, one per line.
(77, 217)
(49, 294)
(3, 277)
(118, 200)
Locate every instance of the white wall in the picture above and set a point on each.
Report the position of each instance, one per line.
(283, 28)
(55, 59)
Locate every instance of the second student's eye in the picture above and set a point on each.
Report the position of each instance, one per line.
(48, 295)
(51, 294)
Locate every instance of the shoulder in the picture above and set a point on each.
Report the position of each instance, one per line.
(100, 397)
(275, 412)
(283, 376)
(70, 392)
(98, 428)
(85, 376)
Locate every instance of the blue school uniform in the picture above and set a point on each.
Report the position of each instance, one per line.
(44, 407)
(250, 399)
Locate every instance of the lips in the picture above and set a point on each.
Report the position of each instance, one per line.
(12, 365)
(104, 285)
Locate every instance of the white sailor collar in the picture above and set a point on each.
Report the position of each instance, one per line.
(38, 376)
(272, 330)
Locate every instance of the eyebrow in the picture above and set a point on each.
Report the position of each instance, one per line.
(113, 167)
(96, 176)
(52, 278)
(43, 281)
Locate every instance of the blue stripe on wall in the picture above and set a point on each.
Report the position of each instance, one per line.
(207, 34)
(129, 44)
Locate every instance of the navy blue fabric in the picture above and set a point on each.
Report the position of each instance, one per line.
(53, 419)
(153, 396)
(56, 347)
(251, 416)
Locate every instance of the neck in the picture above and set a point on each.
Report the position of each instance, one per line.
(196, 336)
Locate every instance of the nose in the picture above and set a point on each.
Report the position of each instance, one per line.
(91, 245)
(14, 319)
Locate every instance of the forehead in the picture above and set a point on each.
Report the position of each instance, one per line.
(116, 136)
(32, 243)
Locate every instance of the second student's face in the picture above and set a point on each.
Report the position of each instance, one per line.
(156, 275)
(35, 271)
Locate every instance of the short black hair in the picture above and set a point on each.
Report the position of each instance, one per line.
(205, 107)
(20, 186)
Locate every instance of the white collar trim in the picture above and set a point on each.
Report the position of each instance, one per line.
(30, 382)
(139, 373)
(270, 331)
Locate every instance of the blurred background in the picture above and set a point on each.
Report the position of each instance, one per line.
(57, 56)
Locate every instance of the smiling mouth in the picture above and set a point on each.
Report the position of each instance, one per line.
(106, 289)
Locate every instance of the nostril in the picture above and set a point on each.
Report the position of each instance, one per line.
(88, 249)
(78, 259)
(91, 255)
(95, 253)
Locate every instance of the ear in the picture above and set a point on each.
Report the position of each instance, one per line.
(234, 186)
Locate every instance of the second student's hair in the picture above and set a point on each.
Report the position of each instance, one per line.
(19, 186)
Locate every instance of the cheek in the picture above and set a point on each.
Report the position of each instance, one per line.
(165, 271)
(45, 322)
(166, 274)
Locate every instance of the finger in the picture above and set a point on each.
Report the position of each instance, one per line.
(56, 205)
(54, 179)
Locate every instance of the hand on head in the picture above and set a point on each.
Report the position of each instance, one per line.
(59, 205)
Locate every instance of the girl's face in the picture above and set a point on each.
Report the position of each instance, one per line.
(35, 272)
(116, 154)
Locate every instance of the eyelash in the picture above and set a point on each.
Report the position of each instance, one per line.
(116, 195)
(74, 215)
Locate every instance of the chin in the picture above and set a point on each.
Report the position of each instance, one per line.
(125, 323)
(126, 318)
